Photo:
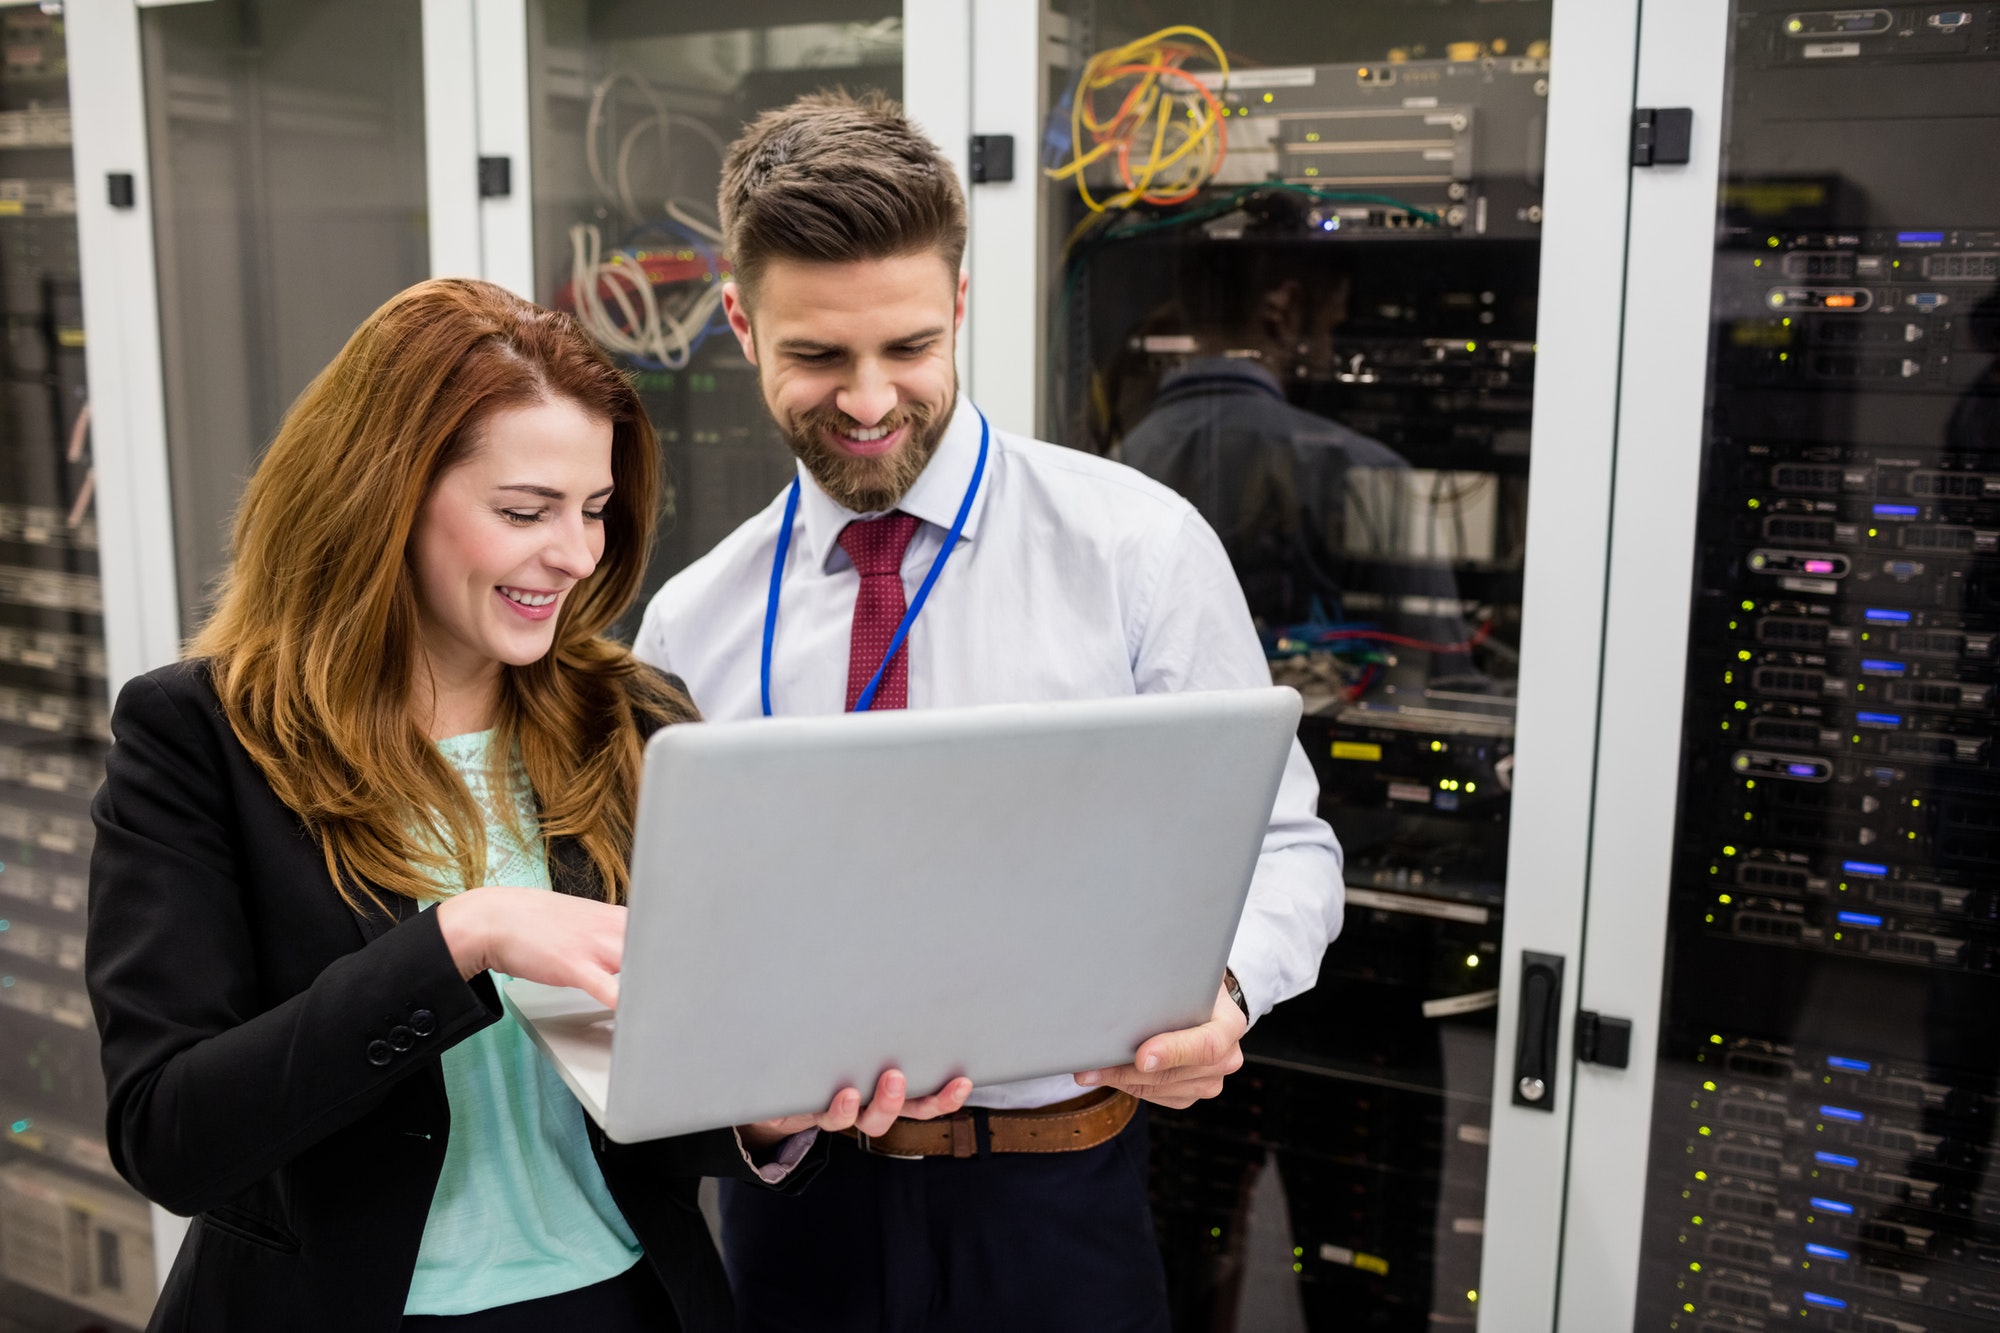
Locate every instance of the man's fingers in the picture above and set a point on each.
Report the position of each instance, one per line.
(840, 1112)
(776, 1131)
(946, 1101)
(1183, 1093)
(1204, 1045)
(887, 1104)
(1132, 1081)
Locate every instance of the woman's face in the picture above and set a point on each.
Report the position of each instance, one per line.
(507, 534)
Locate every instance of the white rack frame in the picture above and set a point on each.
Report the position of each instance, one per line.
(1670, 259)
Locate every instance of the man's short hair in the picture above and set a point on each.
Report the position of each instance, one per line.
(833, 178)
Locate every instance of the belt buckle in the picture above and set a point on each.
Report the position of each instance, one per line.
(869, 1149)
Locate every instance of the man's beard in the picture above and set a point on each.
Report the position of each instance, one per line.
(868, 485)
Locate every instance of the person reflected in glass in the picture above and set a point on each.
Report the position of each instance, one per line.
(1337, 542)
(328, 835)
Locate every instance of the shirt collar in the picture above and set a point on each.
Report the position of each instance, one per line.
(934, 498)
(1210, 373)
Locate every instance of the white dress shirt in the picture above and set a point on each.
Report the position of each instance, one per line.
(1076, 578)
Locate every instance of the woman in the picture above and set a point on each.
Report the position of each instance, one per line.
(404, 693)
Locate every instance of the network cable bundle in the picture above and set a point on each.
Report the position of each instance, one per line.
(656, 294)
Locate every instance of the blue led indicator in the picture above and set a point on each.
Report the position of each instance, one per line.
(1842, 1113)
(1828, 1252)
(1881, 617)
(1877, 667)
(1920, 238)
(1879, 719)
(1834, 1206)
(1868, 868)
(22, 1126)
(1803, 770)
(1825, 1302)
(1837, 1159)
(1851, 1066)
(1896, 511)
(1868, 919)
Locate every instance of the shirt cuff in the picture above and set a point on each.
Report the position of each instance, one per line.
(783, 1159)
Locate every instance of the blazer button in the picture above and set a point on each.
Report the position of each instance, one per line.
(379, 1053)
(402, 1038)
(423, 1022)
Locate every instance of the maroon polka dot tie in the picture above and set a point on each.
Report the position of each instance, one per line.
(876, 546)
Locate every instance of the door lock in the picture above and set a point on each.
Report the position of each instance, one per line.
(1535, 1042)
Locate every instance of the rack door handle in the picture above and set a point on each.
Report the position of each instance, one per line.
(1540, 1019)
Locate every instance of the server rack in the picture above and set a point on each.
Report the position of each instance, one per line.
(1307, 296)
(75, 1242)
(1832, 925)
(1806, 1139)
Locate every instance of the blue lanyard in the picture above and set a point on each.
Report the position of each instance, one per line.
(909, 617)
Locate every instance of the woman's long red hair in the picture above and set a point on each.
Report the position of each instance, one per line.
(313, 641)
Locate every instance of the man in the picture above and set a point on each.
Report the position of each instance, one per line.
(1071, 578)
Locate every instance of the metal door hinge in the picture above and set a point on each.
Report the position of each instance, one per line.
(496, 177)
(992, 159)
(1661, 136)
(1603, 1041)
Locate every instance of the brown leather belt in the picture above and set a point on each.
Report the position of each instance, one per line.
(1071, 1126)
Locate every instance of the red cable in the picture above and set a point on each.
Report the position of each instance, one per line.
(1479, 636)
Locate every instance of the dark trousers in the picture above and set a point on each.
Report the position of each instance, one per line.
(1004, 1243)
(632, 1302)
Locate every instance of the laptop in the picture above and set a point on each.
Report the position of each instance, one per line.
(1002, 892)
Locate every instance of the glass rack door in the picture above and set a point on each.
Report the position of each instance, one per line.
(1294, 256)
(1823, 1152)
(633, 106)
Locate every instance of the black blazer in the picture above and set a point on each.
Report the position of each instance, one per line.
(272, 1056)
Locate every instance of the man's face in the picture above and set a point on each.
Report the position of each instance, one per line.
(856, 364)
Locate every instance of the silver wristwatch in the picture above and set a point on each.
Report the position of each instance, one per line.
(1235, 991)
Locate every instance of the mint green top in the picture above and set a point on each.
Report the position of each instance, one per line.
(521, 1210)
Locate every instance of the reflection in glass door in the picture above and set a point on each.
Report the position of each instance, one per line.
(1824, 1135)
(287, 144)
(633, 107)
(1295, 255)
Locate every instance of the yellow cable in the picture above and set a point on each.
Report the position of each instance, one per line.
(1193, 157)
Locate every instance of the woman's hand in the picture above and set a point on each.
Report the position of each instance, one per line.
(536, 935)
(845, 1110)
